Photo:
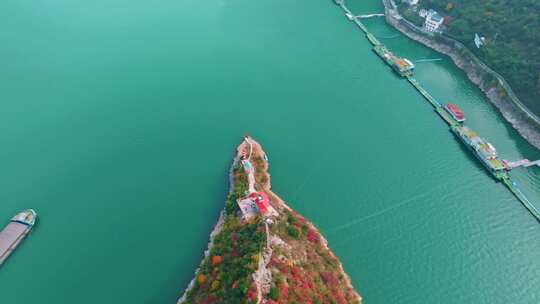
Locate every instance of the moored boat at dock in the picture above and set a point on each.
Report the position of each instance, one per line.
(404, 67)
(17, 229)
(482, 149)
(455, 111)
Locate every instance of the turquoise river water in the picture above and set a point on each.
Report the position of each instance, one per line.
(119, 119)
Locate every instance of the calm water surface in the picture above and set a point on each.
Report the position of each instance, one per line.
(119, 119)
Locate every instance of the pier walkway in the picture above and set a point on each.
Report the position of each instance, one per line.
(513, 187)
(501, 175)
(369, 16)
(424, 92)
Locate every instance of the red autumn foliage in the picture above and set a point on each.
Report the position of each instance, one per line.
(252, 293)
(340, 298)
(295, 272)
(283, 268)
(313, 236)
(211, 299)
(307, 284)
(216, 260)
(329, 279)
(284, 291)
(274, 261)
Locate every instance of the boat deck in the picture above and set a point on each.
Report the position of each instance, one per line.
(10, 237)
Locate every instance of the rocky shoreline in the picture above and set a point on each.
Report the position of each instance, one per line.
(495, 92)
(215, 231)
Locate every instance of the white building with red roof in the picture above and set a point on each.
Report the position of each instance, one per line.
(256, 203)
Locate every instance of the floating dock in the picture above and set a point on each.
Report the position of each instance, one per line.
(481, 149)
(402, 66)
(17, 229)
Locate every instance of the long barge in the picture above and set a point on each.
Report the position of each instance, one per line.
(17, 229)
(483, 150)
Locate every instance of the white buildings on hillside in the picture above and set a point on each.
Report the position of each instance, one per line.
(479, 41)
(411, 2)
(433, 20)
(423, 12)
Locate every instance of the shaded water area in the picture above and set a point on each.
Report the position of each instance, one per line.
(119, 120)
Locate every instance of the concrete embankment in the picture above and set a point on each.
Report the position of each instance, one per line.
(493, 85)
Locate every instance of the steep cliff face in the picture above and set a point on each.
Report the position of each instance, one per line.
(262, 251)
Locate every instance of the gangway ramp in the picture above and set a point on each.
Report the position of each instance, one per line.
(534, 163)
(525, 163)
(369, 16)
(427, 60)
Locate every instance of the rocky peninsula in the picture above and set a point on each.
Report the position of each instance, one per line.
(262, 251)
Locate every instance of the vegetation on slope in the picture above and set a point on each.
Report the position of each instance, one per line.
(225, 274)
(304, 270)
(512, 38)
